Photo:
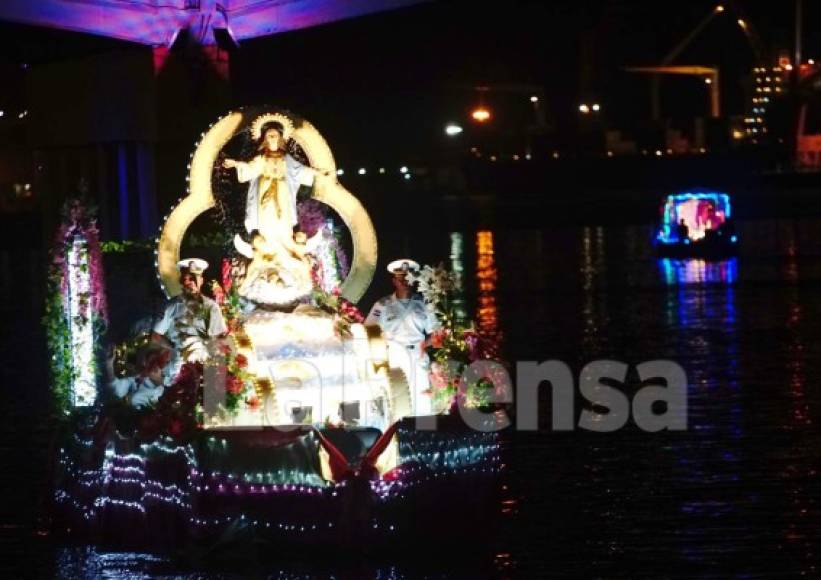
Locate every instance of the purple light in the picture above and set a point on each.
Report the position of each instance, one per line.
(158, 23)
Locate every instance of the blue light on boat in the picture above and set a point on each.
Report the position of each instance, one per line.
(687, 241)
(733, 239)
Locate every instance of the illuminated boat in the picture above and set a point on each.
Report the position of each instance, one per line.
(697, 224)
(273, 467)
(296, 486)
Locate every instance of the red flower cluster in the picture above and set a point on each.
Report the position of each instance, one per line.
(175, 413)
(349, 311)
(234, 385)
(242, 361)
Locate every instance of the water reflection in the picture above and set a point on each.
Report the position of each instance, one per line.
(736, 495)
(593, 270)
(487, 311)
(89, 563)
(677, 272)
(457, 266)
(702, 321)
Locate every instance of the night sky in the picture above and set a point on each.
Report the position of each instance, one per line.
(382, 87)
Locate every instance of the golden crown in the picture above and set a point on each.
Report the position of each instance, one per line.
(259, 123)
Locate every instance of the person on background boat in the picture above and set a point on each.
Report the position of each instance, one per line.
(191, 319)
(406, 323)
(682, 231)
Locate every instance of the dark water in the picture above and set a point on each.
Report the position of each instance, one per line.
(735, 495)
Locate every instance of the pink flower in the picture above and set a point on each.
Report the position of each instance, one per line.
(438, 378)
(473, 343)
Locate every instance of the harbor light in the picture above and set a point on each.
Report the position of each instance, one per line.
(480, 114)
(596, 107)
(453, 129)
(403, 169)
(584, 108)
(362, 171)
(535, 99)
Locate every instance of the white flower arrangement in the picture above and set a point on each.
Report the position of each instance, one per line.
(435, 284)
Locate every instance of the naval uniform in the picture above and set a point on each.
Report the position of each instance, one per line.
(405, 324)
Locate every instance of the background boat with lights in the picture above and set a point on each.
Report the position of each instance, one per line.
(697, 224)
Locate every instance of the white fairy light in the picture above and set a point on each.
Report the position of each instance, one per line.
(83, 388)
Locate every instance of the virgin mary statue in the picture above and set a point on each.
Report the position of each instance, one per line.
(279, 272)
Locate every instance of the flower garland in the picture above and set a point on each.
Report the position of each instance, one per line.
(177, 413)
(454, 345)
(344, 312)
(76, 311)
(241, 385)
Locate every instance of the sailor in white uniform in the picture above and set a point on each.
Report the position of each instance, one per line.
(190, 320)
(406, 323)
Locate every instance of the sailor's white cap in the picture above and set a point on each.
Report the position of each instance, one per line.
(192, 265)
(403, 265)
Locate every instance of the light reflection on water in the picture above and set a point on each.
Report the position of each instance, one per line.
(734, 495)
(88, 563)
(677, 272)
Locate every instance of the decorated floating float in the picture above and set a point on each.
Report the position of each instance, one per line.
(697, 224)
(286, 420)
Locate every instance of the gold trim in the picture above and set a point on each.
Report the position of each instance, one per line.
(326, 189)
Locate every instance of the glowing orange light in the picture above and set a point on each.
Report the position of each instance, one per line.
(480, 114)
(486, 275)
